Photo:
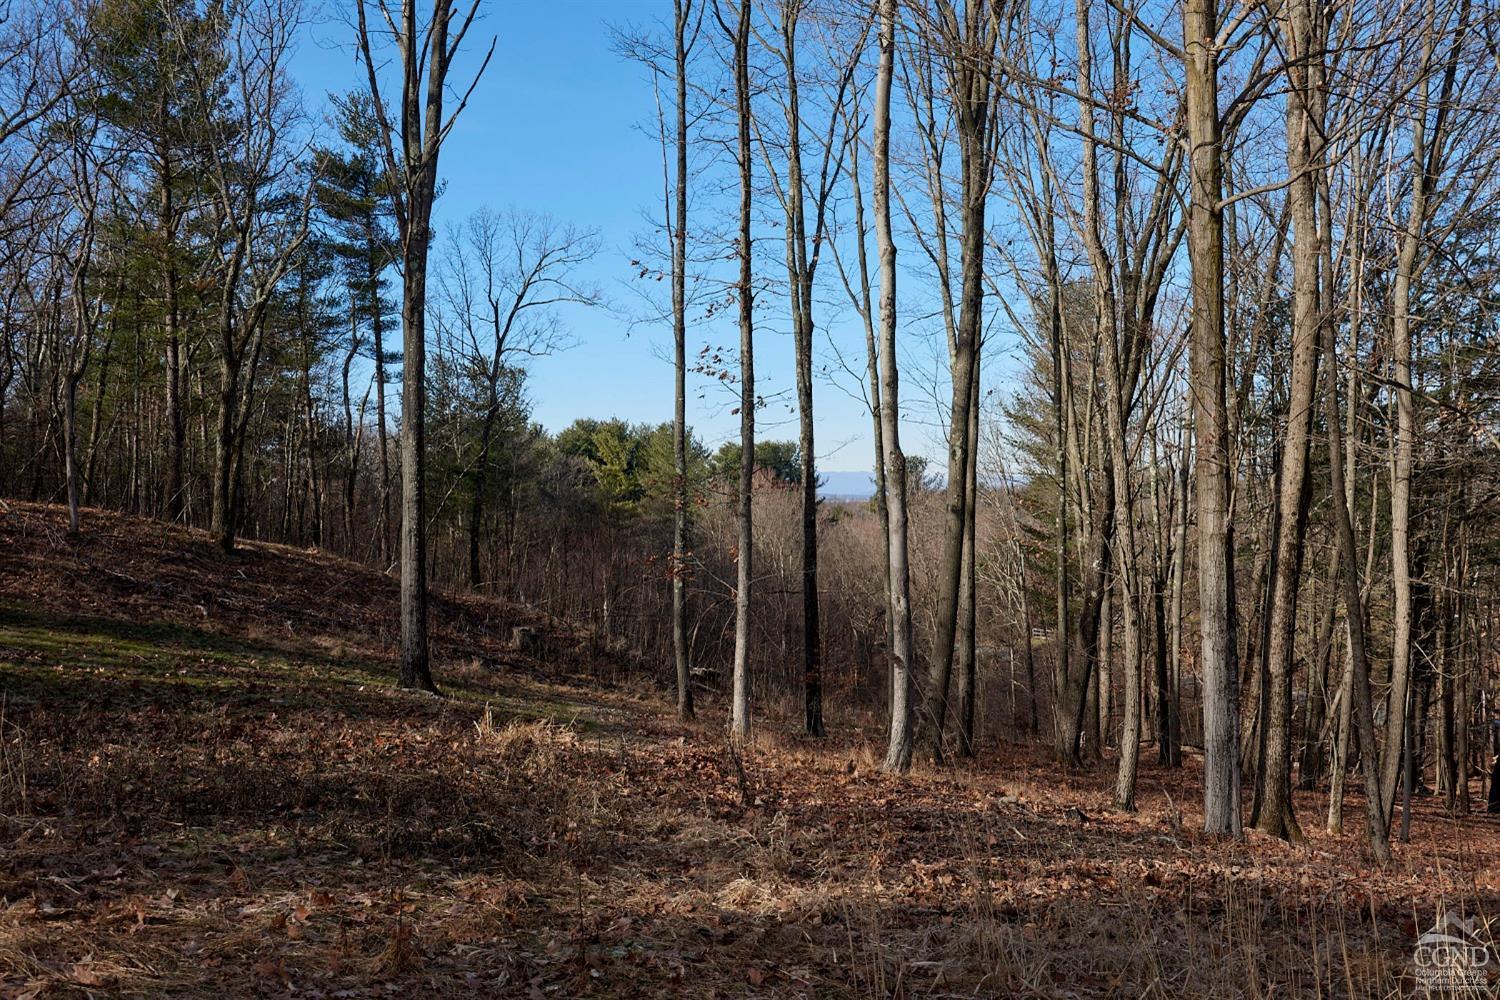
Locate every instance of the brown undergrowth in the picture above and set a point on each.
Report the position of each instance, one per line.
(209, 788)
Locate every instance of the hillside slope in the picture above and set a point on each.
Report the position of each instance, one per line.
(209, 788)
(144, 571)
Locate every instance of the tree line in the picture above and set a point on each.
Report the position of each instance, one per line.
(1229, 247)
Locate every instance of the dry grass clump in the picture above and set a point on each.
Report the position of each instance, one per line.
(15, 797)
(527, 743)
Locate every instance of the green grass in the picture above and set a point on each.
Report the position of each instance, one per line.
(57, 660)
(43, 656)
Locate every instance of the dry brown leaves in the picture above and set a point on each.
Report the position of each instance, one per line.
(233, 803)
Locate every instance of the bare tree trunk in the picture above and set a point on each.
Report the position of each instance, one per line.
(481, 480)
(971, 83)
(80, 342)
(1310, 765)
(1162, 669)
(1077, 706)
(96, 418)
(1255, 648)
(862, 299)
(1346, 484)
(176, 428)
(739, 726)
(1461, 709)
(1339, 744)
(1179, 570)
(682, 10)
(968, 591)
(1408, 756)
(352, 435)
(415, 669)
(1427, 151)
(1447, 785)
(1033, 722)
(1104, 671)
(1303, 127)
(221, 510)
(1126, 575)
(1110, 330)
(1079, 688)
(309, 421)
(381, 429)
(898, 753)
(1065, 718)
(70, 444)
(412, 173)
(800, 272)
(1130, 723)
(1221, 786)
(1401, 467)
(877, 422)
(1359, 672)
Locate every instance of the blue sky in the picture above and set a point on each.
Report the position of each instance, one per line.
(554, 127)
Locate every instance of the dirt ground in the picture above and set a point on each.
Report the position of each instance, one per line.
(209, 787)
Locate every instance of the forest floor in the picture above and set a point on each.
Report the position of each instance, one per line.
(210, 788)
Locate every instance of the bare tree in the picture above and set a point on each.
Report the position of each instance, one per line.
(685, 26)
(83, 181)
(738, 33)
(260, 220)
(1443, 23)
(1358, 682)
(412, 169)
(898, 751)
(804, 246)
(86, 310)
(859, 287)
(1221, 768)
(1110, 330)
(674, 61)
(968, 46)
(505, 278)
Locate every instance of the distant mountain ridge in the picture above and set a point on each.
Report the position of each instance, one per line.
(854, 485)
